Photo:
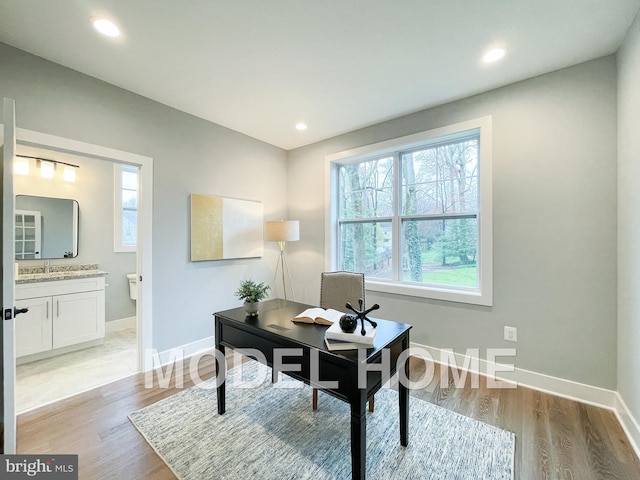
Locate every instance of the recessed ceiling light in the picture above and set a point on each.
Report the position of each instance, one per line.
(301, 126)
(105, 27)
(493, 55)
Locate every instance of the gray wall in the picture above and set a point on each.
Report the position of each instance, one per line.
(554, 211)
(628, 220)
(93, 189)
(190, 155)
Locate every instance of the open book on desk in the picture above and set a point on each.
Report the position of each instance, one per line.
(319, 315)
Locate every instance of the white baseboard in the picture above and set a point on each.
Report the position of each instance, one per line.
(629, 423)
(561, 387)
(120, 324)
(186, 351)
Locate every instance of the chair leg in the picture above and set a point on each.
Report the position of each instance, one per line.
(371, 404)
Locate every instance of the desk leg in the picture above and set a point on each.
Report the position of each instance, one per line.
(220, 390)
(403, 398)
(359, 436)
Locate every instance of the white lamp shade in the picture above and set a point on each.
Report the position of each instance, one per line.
(21, 166)
(46, 169)
(69, 174)
(282, 231)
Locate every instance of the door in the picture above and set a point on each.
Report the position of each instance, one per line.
(7, 385)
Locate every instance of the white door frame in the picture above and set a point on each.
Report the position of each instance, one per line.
(144, 304)
(8, 283)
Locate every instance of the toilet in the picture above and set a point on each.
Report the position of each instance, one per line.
(133, 285)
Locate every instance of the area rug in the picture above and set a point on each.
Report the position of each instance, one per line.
(271, 432)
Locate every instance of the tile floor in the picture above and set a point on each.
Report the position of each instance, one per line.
(45, 381)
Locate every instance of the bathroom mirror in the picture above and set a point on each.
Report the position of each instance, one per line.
(46, 227)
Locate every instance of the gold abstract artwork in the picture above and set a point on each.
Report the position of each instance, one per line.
(224, 228)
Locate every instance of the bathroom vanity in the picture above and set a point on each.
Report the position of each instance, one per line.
(66, 310)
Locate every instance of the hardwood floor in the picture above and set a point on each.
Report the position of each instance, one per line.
(556, 438)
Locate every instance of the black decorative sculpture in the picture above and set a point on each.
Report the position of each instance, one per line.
(362, 314)
(348, 323)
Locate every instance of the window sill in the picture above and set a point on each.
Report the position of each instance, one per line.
(124, 248)
(471, 296)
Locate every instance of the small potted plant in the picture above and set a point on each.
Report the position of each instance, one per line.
(251, 292)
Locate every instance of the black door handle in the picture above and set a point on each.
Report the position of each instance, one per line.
(16, 311)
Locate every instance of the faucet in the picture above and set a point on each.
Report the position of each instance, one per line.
(47, 266)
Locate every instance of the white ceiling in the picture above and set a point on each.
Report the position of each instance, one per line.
(261, 66)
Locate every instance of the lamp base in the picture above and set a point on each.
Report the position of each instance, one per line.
(284, 269)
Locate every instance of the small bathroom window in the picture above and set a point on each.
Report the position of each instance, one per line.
(125, 208)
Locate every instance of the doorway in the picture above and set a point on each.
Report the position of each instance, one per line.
(144, 256)
(75, 225)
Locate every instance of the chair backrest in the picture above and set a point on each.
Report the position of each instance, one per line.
(338, 288)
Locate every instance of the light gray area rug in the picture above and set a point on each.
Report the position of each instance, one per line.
(272, 433)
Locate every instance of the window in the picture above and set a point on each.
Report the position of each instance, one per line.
(125, 208)
(414, 214)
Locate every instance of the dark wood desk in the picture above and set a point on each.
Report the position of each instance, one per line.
(273, 329)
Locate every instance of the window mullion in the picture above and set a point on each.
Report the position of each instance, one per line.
(440, 216)
(345, 221)
(396, 227)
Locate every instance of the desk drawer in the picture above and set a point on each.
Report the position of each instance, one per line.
(242, 339)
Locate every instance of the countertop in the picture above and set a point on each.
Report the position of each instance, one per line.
(59, 273)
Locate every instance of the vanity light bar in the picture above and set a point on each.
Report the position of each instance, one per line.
(49, 160)
(47, 167)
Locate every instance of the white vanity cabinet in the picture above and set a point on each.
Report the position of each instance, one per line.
(34, 328)
(62, 313)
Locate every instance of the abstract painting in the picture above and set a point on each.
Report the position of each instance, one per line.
(225, 228)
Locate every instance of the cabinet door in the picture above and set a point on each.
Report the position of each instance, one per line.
(33, 329)
(78, 317)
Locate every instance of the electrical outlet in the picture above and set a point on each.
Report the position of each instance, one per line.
(511, 334)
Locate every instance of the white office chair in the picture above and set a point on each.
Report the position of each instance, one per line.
(336, 289)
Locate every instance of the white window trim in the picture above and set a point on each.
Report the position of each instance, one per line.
(483, 295)
(118, 246)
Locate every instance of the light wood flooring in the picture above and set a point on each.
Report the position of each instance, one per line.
(555, 438)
